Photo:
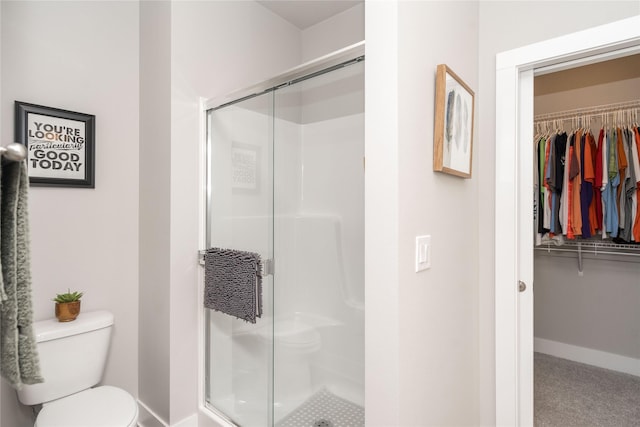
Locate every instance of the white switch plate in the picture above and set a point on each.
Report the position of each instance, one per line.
(423, 252)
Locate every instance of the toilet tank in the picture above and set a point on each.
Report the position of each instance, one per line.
(72, 356)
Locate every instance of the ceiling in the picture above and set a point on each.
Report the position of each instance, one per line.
(305, 13)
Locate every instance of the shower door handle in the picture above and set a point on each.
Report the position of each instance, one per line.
(268, 267)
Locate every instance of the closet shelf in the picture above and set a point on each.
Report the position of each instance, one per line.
(592, 246)
(596, 247)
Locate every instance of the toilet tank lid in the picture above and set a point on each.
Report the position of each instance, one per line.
(51, 329)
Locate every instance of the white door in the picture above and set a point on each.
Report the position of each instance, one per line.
(514, 198)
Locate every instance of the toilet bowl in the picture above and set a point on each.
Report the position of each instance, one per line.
(72, 359)
(103, 406)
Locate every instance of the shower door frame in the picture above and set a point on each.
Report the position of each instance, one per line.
(209, 416)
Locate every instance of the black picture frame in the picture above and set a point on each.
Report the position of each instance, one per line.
(60, 145)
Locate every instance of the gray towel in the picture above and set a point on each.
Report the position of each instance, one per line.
(233, 283)
(18, 353)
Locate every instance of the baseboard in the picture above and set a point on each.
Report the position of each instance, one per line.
(191, 421)
(148, 418)
(602, 359)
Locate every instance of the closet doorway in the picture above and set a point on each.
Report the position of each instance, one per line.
(515, 72)
(586, 282)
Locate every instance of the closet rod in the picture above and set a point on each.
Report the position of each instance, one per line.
(589, 111)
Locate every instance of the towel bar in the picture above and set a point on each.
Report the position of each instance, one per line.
(268, 265)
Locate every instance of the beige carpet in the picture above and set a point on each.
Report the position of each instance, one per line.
(569, 394)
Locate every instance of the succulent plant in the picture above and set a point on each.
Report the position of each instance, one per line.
(68, 297)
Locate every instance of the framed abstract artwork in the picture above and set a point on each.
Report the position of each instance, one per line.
(453, 128)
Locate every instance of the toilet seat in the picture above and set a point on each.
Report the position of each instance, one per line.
(103, 406)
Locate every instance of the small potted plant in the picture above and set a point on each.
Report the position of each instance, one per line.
(67, 306)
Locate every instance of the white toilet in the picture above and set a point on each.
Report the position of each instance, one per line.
(72, 359)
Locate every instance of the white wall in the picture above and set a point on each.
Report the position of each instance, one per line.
(421, 328)
(155, 198)
(521, 22)
(341, 30)
(382, 400)
(216, 48)
(598, 310)
(438, 307)
(83, 56)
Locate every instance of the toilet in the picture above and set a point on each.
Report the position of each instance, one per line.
(72, 359)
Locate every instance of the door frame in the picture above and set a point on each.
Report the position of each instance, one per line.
(514, 197)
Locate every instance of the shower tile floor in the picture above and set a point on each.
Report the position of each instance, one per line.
(325, 409)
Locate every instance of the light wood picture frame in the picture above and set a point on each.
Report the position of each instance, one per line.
(453, 128)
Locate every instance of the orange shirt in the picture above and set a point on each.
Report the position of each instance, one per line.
(576, 219)
(590, 175)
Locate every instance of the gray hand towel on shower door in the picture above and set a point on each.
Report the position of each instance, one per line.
(233, 283)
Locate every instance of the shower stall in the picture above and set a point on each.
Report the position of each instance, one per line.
(285, 179)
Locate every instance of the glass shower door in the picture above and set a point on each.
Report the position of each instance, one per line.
(286, 180)
(240, 216)
(319, 250)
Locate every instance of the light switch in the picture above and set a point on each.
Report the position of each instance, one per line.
(423, 253)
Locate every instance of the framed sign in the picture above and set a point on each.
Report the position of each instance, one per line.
(245, 168)
(453, 130)
(60, 145)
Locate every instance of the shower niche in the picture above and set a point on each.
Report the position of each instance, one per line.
(286, 180)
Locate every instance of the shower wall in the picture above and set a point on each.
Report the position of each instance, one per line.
(319, 232)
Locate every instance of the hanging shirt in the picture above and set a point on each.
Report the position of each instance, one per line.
(597, 186)
(636, 225)
(629, 189)
(576, 219)
(543, 190)
(546, 214)
(548, 172)
(609, 194)
(564, 206)
(593, 217)
(574, 168)
(605, 178)
(559, 145)
(635, 177)
(586, 183)
(622, 170)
